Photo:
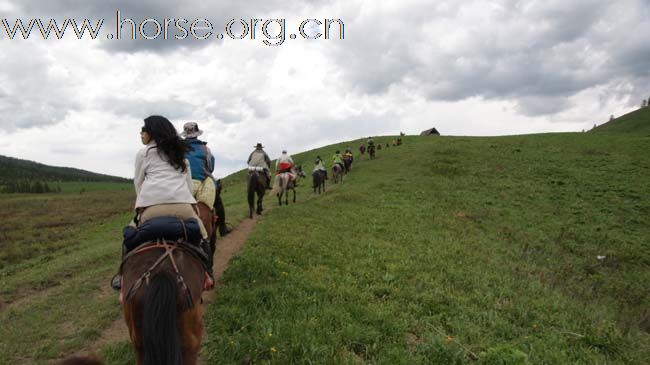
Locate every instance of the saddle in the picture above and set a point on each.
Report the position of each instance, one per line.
(168, 228)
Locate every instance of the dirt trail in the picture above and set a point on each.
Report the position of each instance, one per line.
(227, 247)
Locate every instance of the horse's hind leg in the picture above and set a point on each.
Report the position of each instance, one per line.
(191, 330)
(279, 195)
(294, 195)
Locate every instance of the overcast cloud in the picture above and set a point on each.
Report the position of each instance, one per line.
(466, 67)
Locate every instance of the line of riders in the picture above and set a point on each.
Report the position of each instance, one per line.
(178, 199)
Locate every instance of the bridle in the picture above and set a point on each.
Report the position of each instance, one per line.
(167, 254)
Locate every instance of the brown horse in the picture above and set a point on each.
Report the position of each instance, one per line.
(362, 149)
(161, 301)
(209, 220)
(256, 184)
(371, 151)
(337, 173)
(347, 163)
(283, 183)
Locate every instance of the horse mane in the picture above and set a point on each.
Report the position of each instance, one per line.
(160, 338)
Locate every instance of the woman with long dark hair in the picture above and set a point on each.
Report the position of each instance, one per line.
(163, 183)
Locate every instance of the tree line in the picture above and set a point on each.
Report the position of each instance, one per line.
(31, 187)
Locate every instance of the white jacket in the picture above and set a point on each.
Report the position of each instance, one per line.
(158, 182)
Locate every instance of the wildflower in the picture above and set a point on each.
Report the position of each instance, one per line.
(449, 339)
(273, 349)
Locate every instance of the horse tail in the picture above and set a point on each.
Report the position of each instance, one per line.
(160, 339)
(277, 184)
(252, 187)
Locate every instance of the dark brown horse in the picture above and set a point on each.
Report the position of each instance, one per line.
(362, 149)
(161, 301)
(256, 184)
(318, 179)
(347, 163)
(371, 151)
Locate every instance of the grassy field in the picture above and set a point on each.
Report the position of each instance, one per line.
(57, 254)
(453, 250)
(446, 250)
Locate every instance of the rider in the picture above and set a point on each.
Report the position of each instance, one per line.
(319, 166)
(163, 184)
(284, 164)
(201, 167)
(201, 164)
(338, 159)
(348, 154)
(259, 158)
(370, 142)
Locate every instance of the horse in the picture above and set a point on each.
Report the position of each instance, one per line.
(347, 163)
(337, 172)
(318, 180)
(371, 151)
(209, 220)
(283, 183)
(256, 184)
(161, 302)
(362, 149)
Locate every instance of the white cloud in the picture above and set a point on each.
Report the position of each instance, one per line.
(467, 68)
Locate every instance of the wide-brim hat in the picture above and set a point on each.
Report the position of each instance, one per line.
(191, 130)
(259, 145)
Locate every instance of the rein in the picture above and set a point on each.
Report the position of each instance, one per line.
(145, 277)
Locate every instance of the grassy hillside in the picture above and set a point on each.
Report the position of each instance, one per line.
(443, 250)
(637, 122)
(13, 170)
(510, 250)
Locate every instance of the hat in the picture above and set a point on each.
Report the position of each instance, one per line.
(259, 145)
(191, 130)
(284, 151)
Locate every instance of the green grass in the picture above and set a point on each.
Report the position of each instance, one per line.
(637, 122)
(444, 250)
(452, 250)
(57, 255)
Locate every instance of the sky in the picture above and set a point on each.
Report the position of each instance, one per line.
(473, 68)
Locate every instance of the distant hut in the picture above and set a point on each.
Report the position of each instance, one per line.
(430, 132)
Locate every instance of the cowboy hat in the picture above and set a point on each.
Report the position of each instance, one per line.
(191, 130)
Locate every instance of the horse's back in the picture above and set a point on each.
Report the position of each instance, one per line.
(189, 268)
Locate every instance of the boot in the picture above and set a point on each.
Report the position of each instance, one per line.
(223, 230)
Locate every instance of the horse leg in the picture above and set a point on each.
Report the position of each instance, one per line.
(191, 330)
(294, 195)
(279, 195)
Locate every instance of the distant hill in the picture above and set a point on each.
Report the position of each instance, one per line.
(637, 121)
(14, 170)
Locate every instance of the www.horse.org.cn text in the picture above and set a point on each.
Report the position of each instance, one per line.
(272, 32)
